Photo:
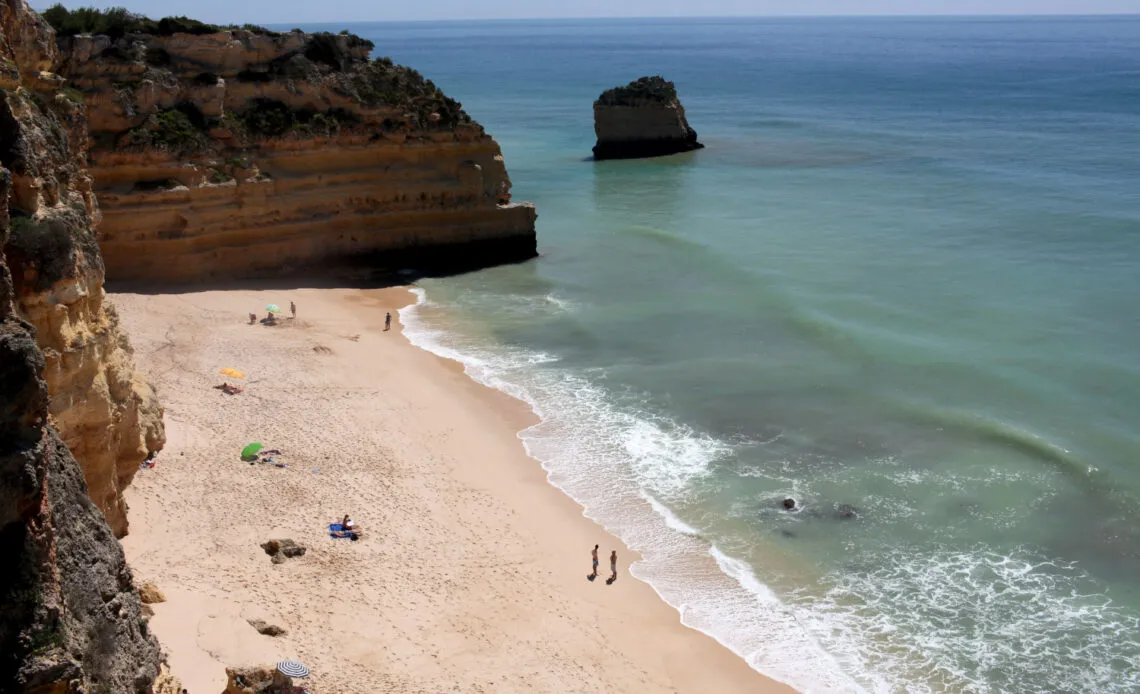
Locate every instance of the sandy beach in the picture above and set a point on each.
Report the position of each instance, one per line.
(471, 575)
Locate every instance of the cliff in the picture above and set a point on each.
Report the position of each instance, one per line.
(642, 119)
(69, 614)
(240, 153)
(108, 417)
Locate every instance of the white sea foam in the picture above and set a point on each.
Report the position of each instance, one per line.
(671, 518)
(973, 618)
(615, 463)
(908, 621)
(562, 304)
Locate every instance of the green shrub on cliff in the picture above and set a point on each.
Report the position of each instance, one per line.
(654, 89)
(114, 21)
(73, 95)
(177, 129)
(334, 50)
(265, 118)
(383, 82)
(117, 22)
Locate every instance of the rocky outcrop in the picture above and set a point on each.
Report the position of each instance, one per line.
(107, 415)
(150, 594)
(281, 550)
(265, 628)
(69, 614)
(256, 680)
(642, 119)
(240, 153)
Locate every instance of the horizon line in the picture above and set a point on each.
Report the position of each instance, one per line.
(865, 15)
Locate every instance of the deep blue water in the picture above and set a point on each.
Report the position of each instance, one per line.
(903, 276)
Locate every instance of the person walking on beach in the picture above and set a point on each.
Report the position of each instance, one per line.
(293, 309)
(388, 321)
(594, 554)
(613, 567)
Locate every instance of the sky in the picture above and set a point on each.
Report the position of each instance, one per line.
(285, 11)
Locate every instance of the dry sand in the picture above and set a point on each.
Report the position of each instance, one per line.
(471, 577)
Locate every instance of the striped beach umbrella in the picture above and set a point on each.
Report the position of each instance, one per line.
(273, 308)
(291, 668)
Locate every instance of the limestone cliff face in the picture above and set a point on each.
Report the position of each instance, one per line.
(642, 119)
(69, 614)
(107, 416)
(239, 153)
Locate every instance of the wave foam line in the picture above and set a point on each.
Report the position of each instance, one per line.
(614, 463)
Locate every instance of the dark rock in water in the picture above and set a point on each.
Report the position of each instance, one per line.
(642, 119)
(846, 511)
(789, 504)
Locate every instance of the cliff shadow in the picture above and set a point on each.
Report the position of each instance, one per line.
(375, 270)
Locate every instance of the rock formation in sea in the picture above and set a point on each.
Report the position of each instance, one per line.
(106, 414)
(224, 153)
(70, 617)
(642, 119)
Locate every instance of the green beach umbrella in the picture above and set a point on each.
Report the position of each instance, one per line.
(273, 308)
(250, 450)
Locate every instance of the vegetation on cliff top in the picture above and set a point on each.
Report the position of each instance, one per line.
(339, 63)
(117, 22)
(654, 89)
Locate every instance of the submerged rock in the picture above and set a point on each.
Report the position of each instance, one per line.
(642, 119)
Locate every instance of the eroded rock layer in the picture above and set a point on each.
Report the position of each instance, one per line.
(70, 617)
(239, 153)
(105, 413)
(642, 119)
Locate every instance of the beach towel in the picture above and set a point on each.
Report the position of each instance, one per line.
(338, 528)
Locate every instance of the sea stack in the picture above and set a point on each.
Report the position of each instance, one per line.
(642, 119)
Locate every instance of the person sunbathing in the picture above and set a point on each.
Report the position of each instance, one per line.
(229, 390)
(348, 528)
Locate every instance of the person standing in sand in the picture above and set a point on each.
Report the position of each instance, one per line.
(293, 309)
(388, 321)
(613, 566)
(594, 555)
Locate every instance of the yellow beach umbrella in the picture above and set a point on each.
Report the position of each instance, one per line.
(232, 372)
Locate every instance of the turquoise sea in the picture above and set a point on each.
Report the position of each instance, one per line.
(904, 277)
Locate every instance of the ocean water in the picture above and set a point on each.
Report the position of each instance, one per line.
(902, 281)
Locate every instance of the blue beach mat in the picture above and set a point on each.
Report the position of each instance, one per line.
(337, 528)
